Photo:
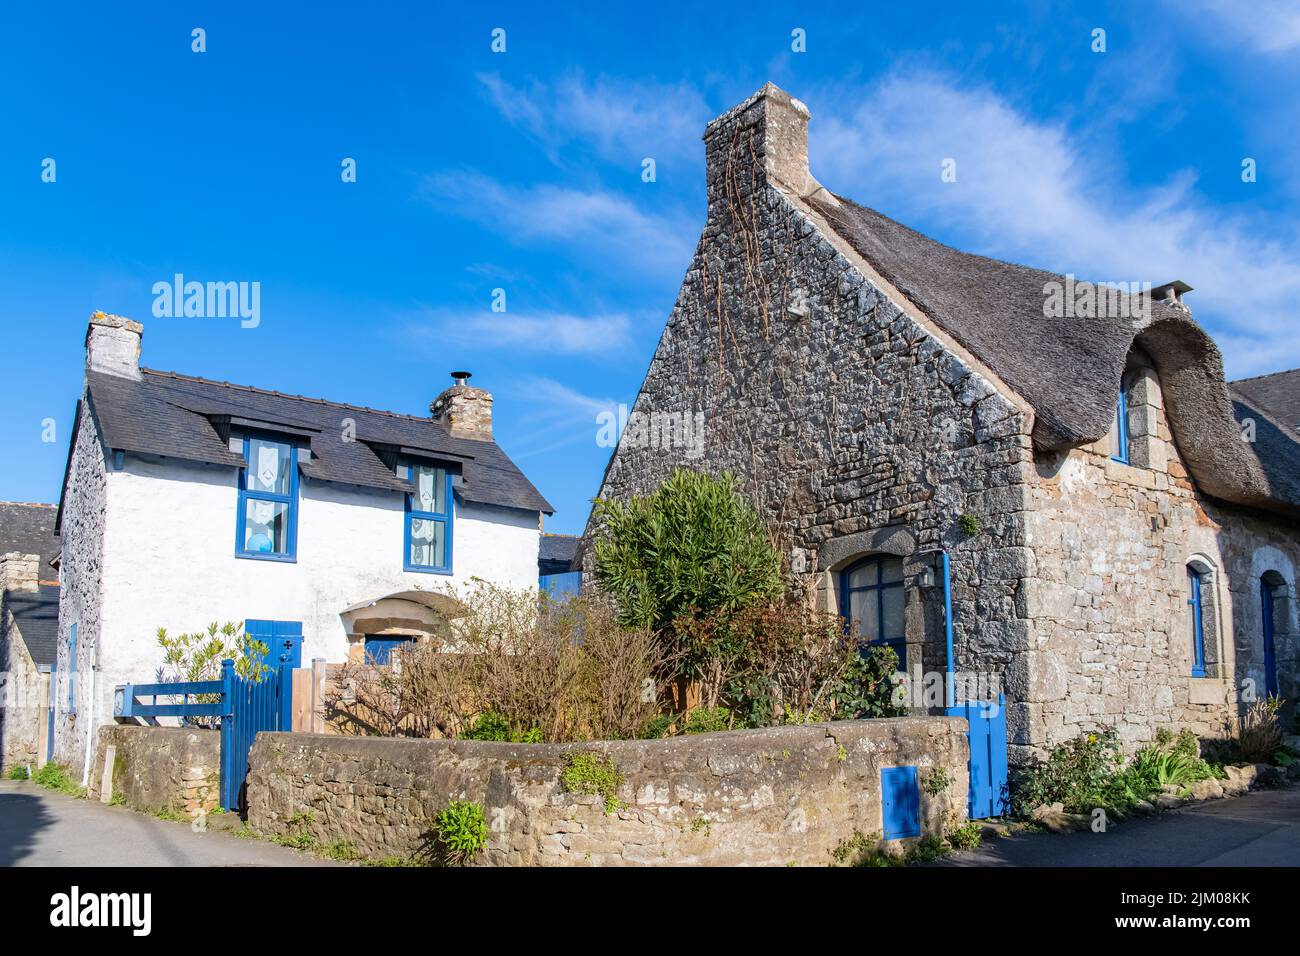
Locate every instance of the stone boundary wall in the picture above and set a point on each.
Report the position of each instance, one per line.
(156, 768)
(768, 797)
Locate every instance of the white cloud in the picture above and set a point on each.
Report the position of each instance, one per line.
(1028, 191)
(622, 121)
(1268, 26)
(604, 224)
(557, 416)
(542, 332)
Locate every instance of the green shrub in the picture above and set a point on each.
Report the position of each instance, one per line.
(492, 726)
(54, 777)
(966, 837)
(592, 773)
(707, 720)
(692, 545)
(1076, 774)
(657, 727)
(17, 772)
(936, 781)
(461, 832)
(970, 524)
(1259, 735)
(867, 688)
(297, 834)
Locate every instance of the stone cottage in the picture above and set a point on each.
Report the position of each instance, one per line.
(328, 530)
(29, 619)
(1118, 523)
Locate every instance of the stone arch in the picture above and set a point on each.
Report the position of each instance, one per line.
(1277, 603)
(419, 615)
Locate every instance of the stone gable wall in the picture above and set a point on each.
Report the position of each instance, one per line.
(811, 380)
(765, 797)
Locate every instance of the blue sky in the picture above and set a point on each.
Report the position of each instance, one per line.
(521, 170)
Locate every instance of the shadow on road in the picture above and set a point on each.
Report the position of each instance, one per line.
(22, 816)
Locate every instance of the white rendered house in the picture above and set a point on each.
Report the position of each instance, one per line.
(329, 528)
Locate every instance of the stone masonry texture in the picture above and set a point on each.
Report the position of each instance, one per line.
(767, 797)
(161, 768)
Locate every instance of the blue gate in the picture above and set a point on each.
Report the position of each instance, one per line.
(249, 707)
(988, 755)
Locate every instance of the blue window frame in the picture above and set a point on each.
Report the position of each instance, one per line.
(72, 669)
(379, 650)
(1270, 651)
(266, 525)
(1121, 422)
(871, 593)
(900, 803)
(427, 531)
(1195, 608)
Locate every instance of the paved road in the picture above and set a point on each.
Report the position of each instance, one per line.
(1258, 829)
(40, 828)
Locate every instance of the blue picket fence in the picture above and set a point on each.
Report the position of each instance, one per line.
(987, 721)
(245, 708)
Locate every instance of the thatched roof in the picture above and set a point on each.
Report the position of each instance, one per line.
(1278, 394)
(1069, 369)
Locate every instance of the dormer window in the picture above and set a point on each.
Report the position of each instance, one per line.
(267, 521)
(428, 518)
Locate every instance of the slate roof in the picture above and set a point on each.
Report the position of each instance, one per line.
(36, 614)
(558, 553)
(179, 416)
(29, 529)
(1278, 394)
(1069, 370)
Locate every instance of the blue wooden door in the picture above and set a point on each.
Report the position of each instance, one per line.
(283, 638)
(987, 722)
(379, 650)
(900, 803)
(1270, 657)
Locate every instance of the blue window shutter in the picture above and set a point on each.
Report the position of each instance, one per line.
(1197, 622)
(900, 803)
(1121, 422)
(72, 669)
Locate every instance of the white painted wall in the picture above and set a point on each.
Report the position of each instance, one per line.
(169, 561)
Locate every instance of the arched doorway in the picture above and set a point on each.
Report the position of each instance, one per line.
(377, 627)
(1272, 599)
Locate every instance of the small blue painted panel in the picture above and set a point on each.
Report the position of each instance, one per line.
(72, 670)
(900, 803)
(379, 650)
(558, 585)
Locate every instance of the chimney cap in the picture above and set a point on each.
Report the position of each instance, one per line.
(1174, 290)
(460, 378)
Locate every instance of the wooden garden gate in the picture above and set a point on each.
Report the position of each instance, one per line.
(987, 721)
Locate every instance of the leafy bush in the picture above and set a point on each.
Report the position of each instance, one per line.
(693, 545)
(1076, 774)
(969, 523)
(513, 669)
(54, 777)
(965, 837)
(866, 688)
(17, 772)
(197, 656)
(593, 774)
(461, 832)
(1259, 735)
(707, 720)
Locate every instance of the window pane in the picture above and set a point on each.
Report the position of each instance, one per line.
(891, 569)
(428, 543)
(893, 601)
(268, 466)
(266, 527)
(430, 489)
(863, 609)
(865, 575)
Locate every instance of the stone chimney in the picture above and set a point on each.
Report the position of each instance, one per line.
(465, 410)
(113, 345)
(19, 572)
(763, 139)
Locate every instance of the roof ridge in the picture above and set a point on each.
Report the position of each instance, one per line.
(28, 504)
(181, 376)
(1256, 378)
